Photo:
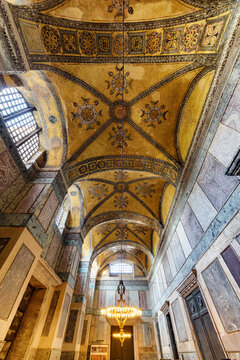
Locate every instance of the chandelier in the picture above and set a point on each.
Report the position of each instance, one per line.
(121, 313)
(122, 336)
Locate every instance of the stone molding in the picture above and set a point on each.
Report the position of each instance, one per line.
(10, 38)
(165, 307)
(44, 273)
(189, 284)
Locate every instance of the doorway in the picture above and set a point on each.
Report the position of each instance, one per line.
(207, 338)
(122, 353)
(19, 334)
(172, 337)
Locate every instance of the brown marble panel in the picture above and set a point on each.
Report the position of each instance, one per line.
(63, 316)
(191, 226)
(42, 354)
(64, 264)
(213, 181)
(14, 279)
(142, 299)
(167, 269)
(53, 251)
(67, 355)
(80, 284)
(8, 171)
(177, 251)
(3, 243)
(45, 216)
(75, 261)
(232, 114)
(233, 263)
(50, 314)
(26, 203)
(84, 332)
(223, 296)
(69, 335)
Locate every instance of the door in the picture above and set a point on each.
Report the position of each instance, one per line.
(207, 338)
(172, 337)
(117, 351)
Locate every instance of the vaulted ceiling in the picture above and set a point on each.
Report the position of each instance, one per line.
(74, 49)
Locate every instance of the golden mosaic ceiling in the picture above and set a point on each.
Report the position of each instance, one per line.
(74, 48)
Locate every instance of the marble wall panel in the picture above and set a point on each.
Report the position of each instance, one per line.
(201, 206)
(232, 114)
(53, 251)
(171, 262)
(190, 356)
(14, 279)
(147, 342)
(42, 354)
(75, 261)
(8, 197)
(177, 251)
(213, 181)
(51, 312)
(233, 263)
(8, 171)
(163, 330)
(101, 299)
(64, 263)
(29, 199)
(142, 299)
(187, 249)
(67, 355)
(160, 280)
(84, 332)
(80, 284)
(69, 335)
(63, 316)
(191, 226)
(110, 297)
(133, 298)
(45, 216)
(167, 269)
(179, 322)
(225, 144)
(3, 243)
(223, 296)
(100, 331)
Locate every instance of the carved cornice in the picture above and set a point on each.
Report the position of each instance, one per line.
(155, 318)
(189, 284)
(165, 308)
(45, 275)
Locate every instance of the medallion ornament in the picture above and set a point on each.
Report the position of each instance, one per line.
(51, 39)
(154, 114)
(87, 114)
(119, 82)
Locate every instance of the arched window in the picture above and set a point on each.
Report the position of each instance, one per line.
(20, 122)
(121, 268)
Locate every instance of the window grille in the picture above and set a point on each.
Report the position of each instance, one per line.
(20, 122)
(121, 268)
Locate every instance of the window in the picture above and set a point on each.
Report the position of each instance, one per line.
(20, 122)
(121, 268)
